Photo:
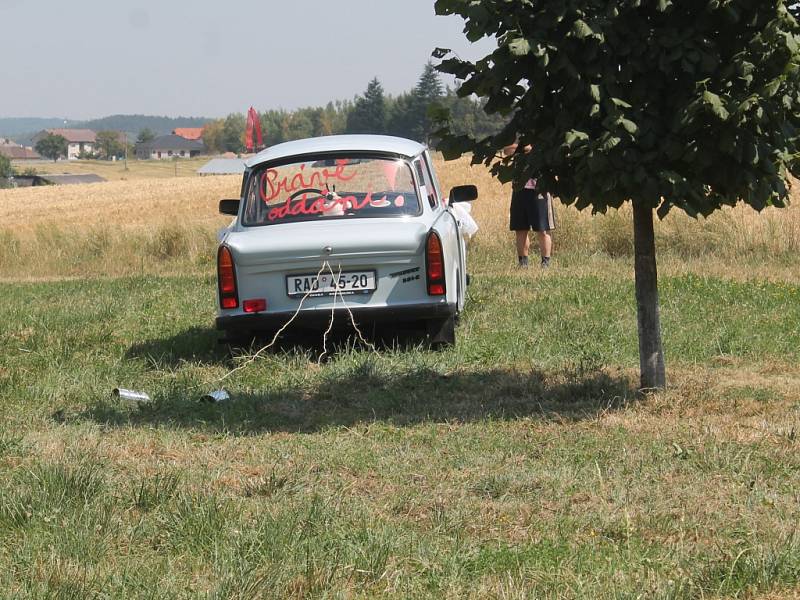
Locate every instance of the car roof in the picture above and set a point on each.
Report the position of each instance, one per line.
(339, 143)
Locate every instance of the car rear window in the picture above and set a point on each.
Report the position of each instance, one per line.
(339, 187)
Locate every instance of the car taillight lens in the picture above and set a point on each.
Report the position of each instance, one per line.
(434, 263)
(226, 278)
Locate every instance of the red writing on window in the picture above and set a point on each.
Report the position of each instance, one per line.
(330, 206)
(272, 184)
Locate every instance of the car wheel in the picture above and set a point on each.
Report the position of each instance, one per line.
(442, 333)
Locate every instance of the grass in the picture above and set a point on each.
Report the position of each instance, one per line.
(519, 464)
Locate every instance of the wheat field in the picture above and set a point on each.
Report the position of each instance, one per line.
(163, 225)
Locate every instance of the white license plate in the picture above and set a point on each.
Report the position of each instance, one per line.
(350, 282)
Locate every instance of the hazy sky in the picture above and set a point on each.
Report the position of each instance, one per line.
(91, 58)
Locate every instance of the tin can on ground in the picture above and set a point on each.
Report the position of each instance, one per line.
(130, 396)
(216, 396)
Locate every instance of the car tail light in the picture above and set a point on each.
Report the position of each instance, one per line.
(226, 279)
(255, 305)
(434, 264)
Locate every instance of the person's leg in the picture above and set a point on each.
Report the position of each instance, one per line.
(523, 246)
(520, 225)
(545, 245)
(544, 221)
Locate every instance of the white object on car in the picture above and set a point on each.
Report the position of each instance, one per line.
(466, 222)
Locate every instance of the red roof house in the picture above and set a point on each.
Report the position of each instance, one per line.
(189, 133)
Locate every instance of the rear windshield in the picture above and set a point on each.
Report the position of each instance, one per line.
(340, 187)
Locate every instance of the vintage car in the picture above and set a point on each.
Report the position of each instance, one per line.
(350, 227)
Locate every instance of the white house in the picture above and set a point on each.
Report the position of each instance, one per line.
(78, 140)
(169, 146)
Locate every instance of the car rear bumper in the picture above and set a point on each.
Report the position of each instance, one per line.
(314, 318)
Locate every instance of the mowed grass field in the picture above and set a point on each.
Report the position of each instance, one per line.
(519, 464)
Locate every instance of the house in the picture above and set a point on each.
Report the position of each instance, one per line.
(79, 141)
(189, 133)
(16, 152)
(169, 146)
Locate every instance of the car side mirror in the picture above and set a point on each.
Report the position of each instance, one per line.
(463, 193)
(229, 207)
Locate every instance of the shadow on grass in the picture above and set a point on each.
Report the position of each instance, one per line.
(203, 344)
(367, 394)
(194, 344)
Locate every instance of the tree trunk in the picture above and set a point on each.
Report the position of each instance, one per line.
(651, 355)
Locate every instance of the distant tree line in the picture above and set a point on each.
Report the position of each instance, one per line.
(406, 115)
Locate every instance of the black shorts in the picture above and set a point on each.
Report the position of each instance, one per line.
(532, 210)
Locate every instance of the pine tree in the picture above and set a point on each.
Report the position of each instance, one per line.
(429, 86)
(410, 115)
(369, 112)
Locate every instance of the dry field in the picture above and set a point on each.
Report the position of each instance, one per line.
(164, 225)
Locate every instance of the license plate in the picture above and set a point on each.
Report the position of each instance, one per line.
(350, 282)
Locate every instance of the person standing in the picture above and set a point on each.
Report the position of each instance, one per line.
(531, 209)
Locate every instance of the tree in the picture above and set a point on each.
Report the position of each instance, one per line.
(212, 136)
(145, 135)
(109, 144)
(233, 133)
(467, 117)
(274, 125)
(52, 146)
(404, 117)
(6, 170)
(668, 104)
(369, 111)
(409, 116)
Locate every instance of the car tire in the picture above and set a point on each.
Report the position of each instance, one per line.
(442, 333)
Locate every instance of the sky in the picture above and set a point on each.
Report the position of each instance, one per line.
(83, 59)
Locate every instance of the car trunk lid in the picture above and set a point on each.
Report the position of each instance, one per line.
(277, 246)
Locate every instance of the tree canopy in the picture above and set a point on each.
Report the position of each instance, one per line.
(145, 135)
(52, 146)
(671, 103)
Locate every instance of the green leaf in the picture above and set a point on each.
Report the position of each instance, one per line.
(581, 29)
(610, 143)
(519, 47)
(772, 87)
(629, 126)
(573, 136)
(713, 101)
(594, 90)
